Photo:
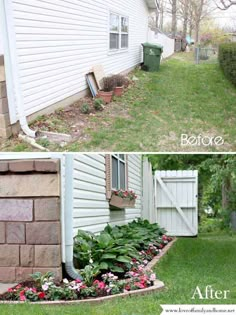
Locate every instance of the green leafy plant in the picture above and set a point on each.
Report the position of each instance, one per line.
(98, 104)
(227, 57)
(40, 278)
(85, 109)
(115, 248)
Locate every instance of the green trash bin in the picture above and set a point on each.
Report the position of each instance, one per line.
(152, 56)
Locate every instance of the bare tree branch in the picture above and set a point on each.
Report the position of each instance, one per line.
(224, 4)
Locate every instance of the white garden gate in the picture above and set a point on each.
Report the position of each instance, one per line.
(176, 201)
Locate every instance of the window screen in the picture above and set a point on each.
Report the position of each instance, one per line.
(119, 32)
(118, 172)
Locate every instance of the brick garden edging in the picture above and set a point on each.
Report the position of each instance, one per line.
(30, 228)
(156, 259)
(158, 286)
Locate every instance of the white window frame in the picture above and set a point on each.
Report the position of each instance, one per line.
(120, 33)
(123, 161)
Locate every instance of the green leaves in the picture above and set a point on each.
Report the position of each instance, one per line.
(103, 266)
(108, 256)
(117, 269)
(104, 240)
(124, 259)
(114, 248)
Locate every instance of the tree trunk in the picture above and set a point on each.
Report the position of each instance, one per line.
(186, 14)
(161, 16)
(174, 18)
(197, 25)
(226, 188)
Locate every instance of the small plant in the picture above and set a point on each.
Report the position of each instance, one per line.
(129, 194)
(89, 273)
(98, 104)
(119, 80)
(44, 142)
(41, 279)
(108, 84)
(85, 109)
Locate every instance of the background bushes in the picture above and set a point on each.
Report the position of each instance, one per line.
(227, 59)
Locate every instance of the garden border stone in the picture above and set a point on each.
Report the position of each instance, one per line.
(156, 259)
(158, 286)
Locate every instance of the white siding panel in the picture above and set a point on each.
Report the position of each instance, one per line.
(91, 208)
(135, 183)
(1, 42)
(58, 42)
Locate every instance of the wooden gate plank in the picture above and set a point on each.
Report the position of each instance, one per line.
(175, 203)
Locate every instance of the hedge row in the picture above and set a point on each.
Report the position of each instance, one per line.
(227, 59)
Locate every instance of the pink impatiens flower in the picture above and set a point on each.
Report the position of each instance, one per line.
(153, 277)
(22, 298)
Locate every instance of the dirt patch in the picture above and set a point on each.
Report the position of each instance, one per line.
(72, 120)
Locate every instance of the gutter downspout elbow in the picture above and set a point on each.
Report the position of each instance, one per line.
(25, 127)
(69, 240)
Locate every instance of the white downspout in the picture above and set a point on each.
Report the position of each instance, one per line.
(68, 218)
(12, 62)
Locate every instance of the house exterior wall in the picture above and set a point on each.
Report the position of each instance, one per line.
(58, 42)
(91, 207)
(30, 229)
(1, 42)
(1, 45)
(5, 126)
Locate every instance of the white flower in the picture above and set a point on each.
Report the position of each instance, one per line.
(65, 281)
(90, 261)
(45, 287)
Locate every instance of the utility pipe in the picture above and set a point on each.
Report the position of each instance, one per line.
(68, 219)
(12, 63)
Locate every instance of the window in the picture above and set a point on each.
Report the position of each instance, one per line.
(118, 171)
(119, 32)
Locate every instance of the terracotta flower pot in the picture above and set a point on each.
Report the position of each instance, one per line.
(105, 96)
(122, 203)
(119, 90)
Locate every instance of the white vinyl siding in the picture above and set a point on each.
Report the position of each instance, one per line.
(59, 41)
(1, 43)
(91, 208)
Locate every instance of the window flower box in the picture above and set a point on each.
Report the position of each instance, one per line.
(123, 199)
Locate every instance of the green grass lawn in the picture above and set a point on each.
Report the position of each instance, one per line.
(207, 260)
(181, 98)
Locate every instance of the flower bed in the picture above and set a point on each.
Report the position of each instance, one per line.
(130, 275)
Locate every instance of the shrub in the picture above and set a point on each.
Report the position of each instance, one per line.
(119, 80)
(116, 248)
(108, 84)
(98, 104)
(85, 109)
(227, 60)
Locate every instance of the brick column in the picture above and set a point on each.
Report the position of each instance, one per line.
(30, 230)
(5, 127)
